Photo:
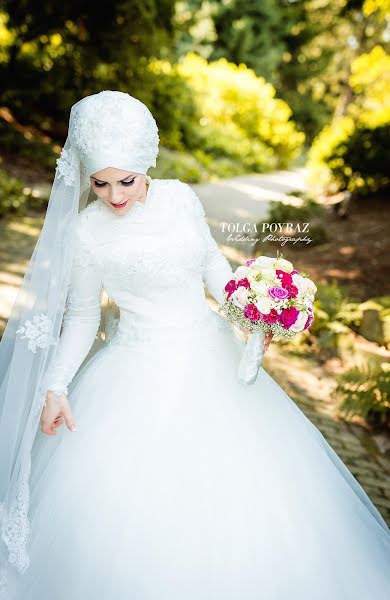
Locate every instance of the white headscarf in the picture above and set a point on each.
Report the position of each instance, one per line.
(108, 129)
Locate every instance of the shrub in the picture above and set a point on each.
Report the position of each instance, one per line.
(15, 142)
(349, 156)
(177, 165)
(172, 104)
(365, 392)
(237, 115)
(353, 152)
(13, 195)
(331, 298)
(303, 210)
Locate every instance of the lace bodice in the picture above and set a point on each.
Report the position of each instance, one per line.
(154, 262)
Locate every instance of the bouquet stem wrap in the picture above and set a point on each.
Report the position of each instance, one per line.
(252, 357)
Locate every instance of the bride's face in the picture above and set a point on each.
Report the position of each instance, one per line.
(118, 189)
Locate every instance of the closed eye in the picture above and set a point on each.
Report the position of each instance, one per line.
(125, 183)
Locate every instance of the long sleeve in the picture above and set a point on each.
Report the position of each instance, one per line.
(81, 319)
(217, 270)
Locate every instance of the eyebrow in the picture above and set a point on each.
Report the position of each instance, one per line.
(120, 181)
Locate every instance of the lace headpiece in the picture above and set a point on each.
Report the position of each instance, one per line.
(109, 129)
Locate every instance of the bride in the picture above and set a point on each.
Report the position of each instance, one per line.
(169, 480)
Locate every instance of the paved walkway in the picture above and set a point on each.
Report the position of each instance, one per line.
(244, 199)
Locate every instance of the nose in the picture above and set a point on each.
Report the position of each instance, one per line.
(115, 196)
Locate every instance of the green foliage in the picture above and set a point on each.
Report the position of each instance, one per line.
(348, 156)
(370, 80)
(172, 104)
(238, 116)
(281, 212)
(287, 43)
(178, 165)
(54, 54)
(331, 298)
(353, 153)
(14, 142)
(297, 211)
(350, 314)
(365, 392)
(382, 7)
(334, 314)
(14, 197)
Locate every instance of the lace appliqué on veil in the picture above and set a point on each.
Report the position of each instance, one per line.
(38, 332)
(15, 531)
(67, 165)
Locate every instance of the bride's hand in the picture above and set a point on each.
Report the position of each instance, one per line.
(55, 411)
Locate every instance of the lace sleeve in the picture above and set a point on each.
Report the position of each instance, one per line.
(217, 270)
(81, 318)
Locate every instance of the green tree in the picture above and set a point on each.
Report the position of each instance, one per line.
(279, 39)
(305, 48)
(54, 53)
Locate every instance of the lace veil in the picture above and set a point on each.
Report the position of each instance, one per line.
(108, 129)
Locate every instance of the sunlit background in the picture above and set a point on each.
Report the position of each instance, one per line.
(276, 111)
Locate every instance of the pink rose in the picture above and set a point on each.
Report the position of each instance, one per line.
(243, 282)
(285, 278)
(250, 262)
(292, 290)
(272, 317)
(230, 287)
(309, 321)
(289, 316)
(278, 293)
(252, 312)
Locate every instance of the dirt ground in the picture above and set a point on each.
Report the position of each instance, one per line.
(357, 253)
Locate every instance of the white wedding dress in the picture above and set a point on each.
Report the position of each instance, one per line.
(180, 483)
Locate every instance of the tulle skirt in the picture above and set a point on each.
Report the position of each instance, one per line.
(180, 483)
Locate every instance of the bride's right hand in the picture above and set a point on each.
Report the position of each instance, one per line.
(54, 412)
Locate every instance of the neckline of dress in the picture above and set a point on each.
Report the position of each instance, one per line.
(138, 206)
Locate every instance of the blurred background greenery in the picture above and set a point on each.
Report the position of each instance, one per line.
(236, 87)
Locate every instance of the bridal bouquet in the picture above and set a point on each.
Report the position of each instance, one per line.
(267, 295)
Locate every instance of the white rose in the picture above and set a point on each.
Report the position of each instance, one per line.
(268, 274)
(284, 265)
(300, 283)
(300, 322)
(240, 296)
(260, 287)
(304, 284)
(311, 286)
(242, 272)
(264, 305)
(307, 300)
(264, 261)
(251, 277)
